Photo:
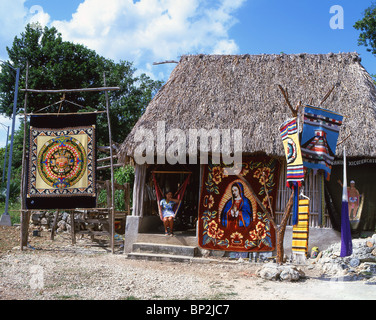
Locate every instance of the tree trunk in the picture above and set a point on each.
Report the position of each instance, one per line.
(280, 231)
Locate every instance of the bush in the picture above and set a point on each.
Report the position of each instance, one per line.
(122, 175)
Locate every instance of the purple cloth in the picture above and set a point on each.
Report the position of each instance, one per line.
(346, 240)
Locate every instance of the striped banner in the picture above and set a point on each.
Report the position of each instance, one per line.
(290, 138)
(300, 231)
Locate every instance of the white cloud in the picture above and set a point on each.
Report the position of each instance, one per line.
(152, 30)
(12, 17)
(38, 15)
(141, 31)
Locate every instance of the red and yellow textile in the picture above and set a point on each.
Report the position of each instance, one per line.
(300, 231)
(229, 217)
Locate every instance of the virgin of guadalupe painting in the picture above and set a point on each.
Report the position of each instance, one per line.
(237, 212)
(230, 218)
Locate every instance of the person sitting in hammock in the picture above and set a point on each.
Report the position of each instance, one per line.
(168, 214)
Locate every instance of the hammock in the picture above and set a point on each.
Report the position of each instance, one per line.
(178, 194)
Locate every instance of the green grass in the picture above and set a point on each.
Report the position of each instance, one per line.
(13, 209)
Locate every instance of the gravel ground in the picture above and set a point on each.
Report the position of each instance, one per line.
(56, 270)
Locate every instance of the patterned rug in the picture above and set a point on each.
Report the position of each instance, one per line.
(229, 217)
(61, 164)
(319, 138)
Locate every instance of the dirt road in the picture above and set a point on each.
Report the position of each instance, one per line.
(56, 270)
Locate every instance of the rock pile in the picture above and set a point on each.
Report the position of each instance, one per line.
(273, 271)
(44, 221)
(361, 265)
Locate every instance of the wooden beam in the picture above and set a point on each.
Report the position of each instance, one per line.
(72, 90)
(171, 172)
(286, 96)
(106, 159)
(163, 62)
(117, 165)
(59, 114)
(329, 93)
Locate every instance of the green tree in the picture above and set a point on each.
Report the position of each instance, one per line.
(58, 64)
(367, 26)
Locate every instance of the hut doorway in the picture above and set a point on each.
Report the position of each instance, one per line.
(171, 177)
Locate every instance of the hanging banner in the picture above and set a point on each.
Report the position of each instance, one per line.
(290, 138)
(61, 166)
(319, 138)
(295, 170)
(346, 240)
(229, 217)
(300, 231)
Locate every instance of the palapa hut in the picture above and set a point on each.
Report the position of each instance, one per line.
(241, 92)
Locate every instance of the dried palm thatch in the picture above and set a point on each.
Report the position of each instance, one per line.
(241, 92)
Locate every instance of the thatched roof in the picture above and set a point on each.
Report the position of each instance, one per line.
(241, 92)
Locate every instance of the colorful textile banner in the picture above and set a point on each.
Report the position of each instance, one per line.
(295, 170)
(319, 138)
(300, 231)
(229, 217)
(346, 240)
(61, 166)
(290, 139)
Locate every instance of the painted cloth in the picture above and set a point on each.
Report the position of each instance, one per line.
(319, 138)
(295, 170)
(290, 138)
(167, 208)
(229, 217)
(61, 166)
(300, 231)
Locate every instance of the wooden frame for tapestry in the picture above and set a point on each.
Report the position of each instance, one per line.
(25, 213)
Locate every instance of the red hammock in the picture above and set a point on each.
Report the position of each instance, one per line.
(178, 195)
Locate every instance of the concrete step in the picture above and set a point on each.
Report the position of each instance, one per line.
(159, 257)
(177, 239)
(170, 249)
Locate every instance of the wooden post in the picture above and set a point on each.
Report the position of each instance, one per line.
(73, 227)
(127, 193)
(112, 209)
(109, 193)
(280, 231)
(54, 225)
(25, 215)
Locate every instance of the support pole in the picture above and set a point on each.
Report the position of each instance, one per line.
(112, 209)
(5, 155)
(5, 218)
(25, 215)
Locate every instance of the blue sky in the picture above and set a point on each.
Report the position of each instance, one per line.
(146, 31)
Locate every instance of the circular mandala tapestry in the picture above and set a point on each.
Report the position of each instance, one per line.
(62, 162)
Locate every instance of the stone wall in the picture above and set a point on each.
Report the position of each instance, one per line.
(44, 220)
